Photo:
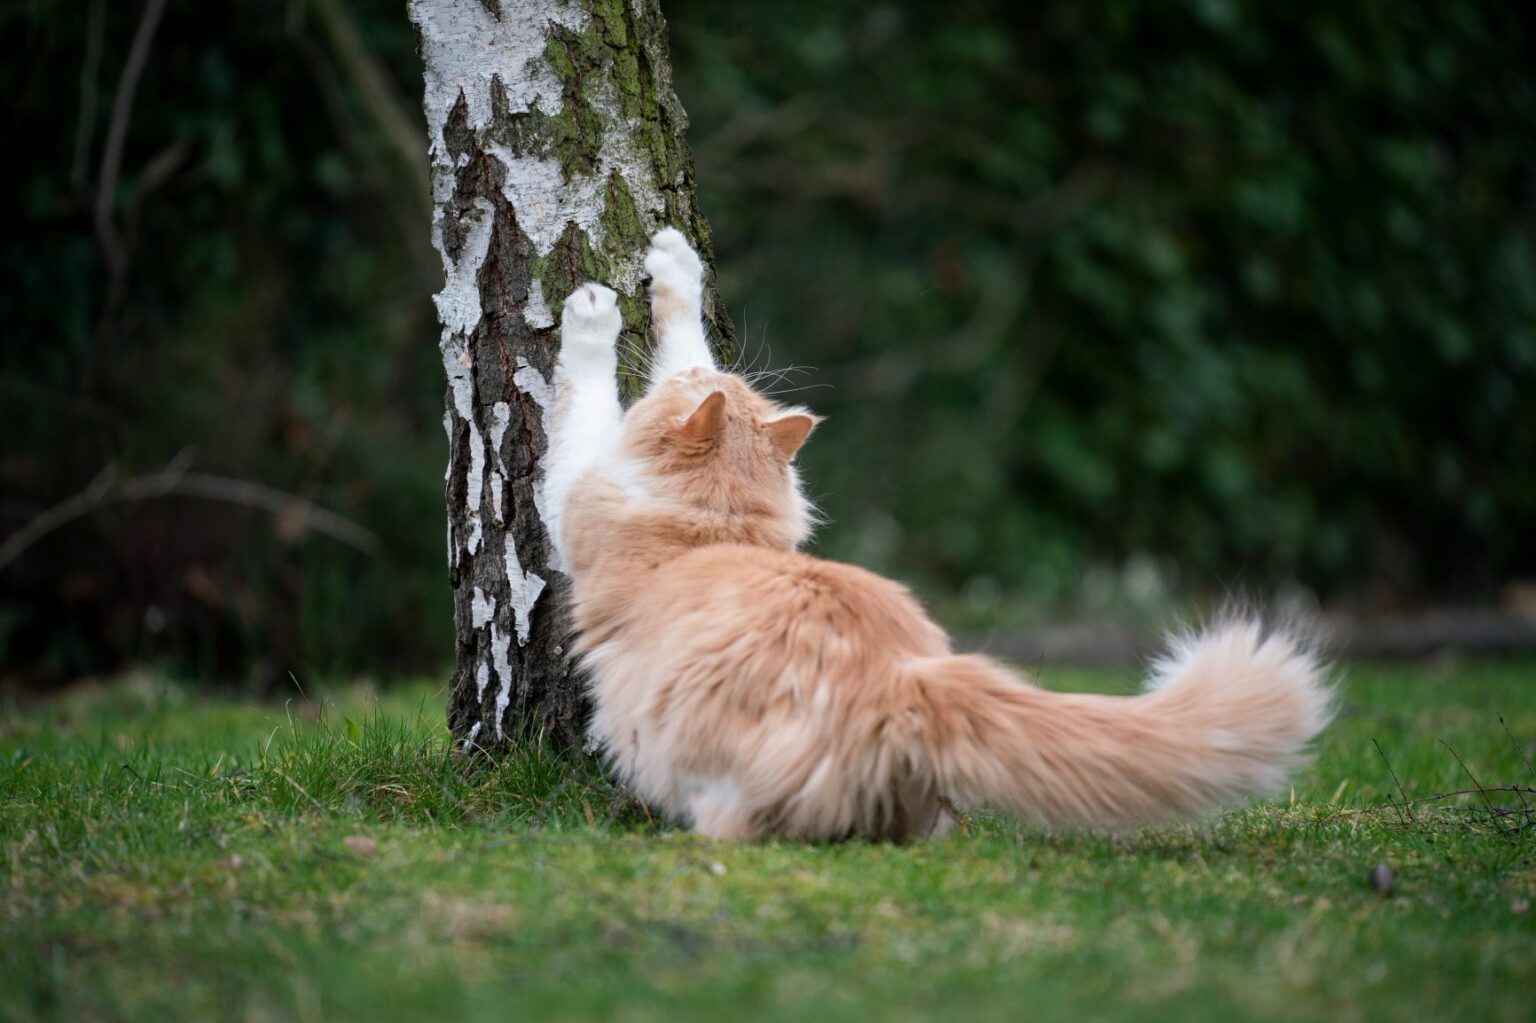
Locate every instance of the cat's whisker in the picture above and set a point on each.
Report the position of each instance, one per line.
(795, 390)
(777, 374)
(636, 359)
(746, 331)
(776, 382)
(763, 354)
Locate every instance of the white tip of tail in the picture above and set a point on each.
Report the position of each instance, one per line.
(1260, 690)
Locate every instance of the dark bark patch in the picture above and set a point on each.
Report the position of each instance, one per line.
(524, 133)
(458, 136)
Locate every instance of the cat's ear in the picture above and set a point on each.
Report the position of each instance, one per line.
(789, 432)
(705, 422)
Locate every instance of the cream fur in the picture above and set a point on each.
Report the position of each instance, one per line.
(750, 690)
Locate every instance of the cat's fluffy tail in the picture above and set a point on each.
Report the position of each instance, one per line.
(1227, 714)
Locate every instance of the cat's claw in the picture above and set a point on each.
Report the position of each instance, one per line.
(591, 318)
(672, 263)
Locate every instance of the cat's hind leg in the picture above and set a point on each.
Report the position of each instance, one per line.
(588, 419)
(677, 289)
(716, 810)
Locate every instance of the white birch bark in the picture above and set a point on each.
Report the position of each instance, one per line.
(556, 148)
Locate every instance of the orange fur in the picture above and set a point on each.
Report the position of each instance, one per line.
(751, 691)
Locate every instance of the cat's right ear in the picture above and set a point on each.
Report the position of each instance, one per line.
(705, 422)
(787, 433)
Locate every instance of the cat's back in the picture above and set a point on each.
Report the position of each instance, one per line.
(801, 600)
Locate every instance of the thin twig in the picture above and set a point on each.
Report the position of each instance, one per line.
(1523, 818)
(1520, 750)
(69, 509)
(90, 68)
(259, 495)
(406, 211)
(1518, 747)
(379, 96)
(117, 137)
(1481, 791)
(1400, 790)
(175, 481)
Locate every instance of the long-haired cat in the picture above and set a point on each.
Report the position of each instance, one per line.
(752, 691)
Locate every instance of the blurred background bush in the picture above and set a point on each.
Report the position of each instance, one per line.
(1109, 304)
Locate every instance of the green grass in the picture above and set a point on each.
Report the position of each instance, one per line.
(167, 856)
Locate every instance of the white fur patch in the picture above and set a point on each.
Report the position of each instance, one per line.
(675, 268)
(585, 419)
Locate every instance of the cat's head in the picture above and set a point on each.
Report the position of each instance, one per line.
(726, 451)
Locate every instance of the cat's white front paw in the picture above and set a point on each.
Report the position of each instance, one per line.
(590, 324)
(673, 265)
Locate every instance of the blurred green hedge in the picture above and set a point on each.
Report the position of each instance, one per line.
(1110, 297)
(276, 325)
(1246, 292)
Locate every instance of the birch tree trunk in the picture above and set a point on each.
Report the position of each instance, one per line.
(557, 148)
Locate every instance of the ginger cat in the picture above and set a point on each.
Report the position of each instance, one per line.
(751, 691)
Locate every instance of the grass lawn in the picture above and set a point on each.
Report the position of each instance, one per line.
(166, 856)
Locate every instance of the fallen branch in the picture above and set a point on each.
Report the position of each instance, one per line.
(175, 481)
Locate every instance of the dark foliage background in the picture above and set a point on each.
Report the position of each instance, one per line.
(1117, 302)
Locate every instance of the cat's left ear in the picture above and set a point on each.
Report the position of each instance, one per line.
(704, 424)
(787, 433)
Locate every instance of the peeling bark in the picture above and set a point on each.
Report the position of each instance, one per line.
(557, 147)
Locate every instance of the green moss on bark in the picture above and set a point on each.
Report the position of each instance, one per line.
(571, 261)
(575, 132)
(619, 33)
(615, 62)
(622, 228)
